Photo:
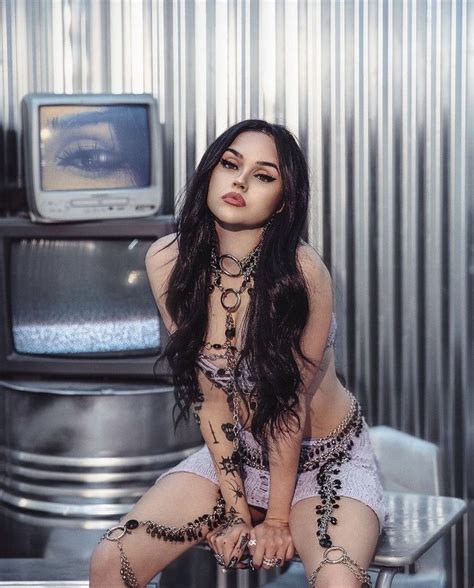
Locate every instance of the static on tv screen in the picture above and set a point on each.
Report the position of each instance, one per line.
(94, 147)
(82, 296)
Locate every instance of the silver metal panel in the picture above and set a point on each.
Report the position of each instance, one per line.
(381, 96)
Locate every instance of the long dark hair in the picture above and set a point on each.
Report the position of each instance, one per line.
(279, 306)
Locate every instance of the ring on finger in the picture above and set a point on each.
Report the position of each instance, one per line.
(271, 562)
(252, 543)
(220, 558)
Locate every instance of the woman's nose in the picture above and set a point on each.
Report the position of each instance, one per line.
(240, 183)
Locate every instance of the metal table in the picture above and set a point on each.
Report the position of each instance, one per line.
(416, 522)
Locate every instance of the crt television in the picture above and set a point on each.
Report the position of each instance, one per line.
(75, 300)
(92, 156)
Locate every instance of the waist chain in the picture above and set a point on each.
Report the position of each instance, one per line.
(314, 455)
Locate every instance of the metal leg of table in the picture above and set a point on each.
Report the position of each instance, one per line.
(385, 577)
(244, 578)
(222, 579)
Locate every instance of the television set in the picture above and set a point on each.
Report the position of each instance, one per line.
(75, 299)
(92, 156)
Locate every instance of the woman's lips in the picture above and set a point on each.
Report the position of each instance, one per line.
(234, 198)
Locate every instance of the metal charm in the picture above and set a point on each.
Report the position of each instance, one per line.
(236, 305)
(235, 260)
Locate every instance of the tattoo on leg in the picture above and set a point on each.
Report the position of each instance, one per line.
(216, 442)
(236, 489)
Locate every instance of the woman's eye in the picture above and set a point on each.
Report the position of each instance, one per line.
(91, 161)
(263, 177)
(266, 178)
(226, 163)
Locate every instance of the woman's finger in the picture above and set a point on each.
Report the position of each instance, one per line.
(252, 544)
(281, 555)
(239, 548)
(290, 552)
(211, 538)
(225, 544)
(260, 550)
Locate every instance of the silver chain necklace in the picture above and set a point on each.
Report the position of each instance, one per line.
(246, 268)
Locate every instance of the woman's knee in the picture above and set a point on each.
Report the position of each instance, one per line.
(337, 571)
(336, 580)
(105, 566)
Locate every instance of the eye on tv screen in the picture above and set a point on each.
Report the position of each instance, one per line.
(83, 296)
(94, 147)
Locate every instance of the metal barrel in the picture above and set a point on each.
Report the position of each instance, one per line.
(86, 450)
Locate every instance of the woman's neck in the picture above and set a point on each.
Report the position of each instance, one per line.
(237, 243)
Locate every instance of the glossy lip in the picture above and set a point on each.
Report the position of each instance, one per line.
(234, 198)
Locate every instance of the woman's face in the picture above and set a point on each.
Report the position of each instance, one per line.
(249, 167)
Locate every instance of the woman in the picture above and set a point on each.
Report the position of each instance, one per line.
(287, 463)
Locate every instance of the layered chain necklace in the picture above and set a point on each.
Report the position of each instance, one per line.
(230, 300)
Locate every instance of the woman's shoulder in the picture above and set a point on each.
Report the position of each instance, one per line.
(312, 264)
(162, 251)
(159, 261)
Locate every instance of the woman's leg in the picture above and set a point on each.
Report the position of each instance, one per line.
(356, 531)
(174, 501)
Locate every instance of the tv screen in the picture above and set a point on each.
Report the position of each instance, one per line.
(92, 157)
(94, 147)
(82, 296)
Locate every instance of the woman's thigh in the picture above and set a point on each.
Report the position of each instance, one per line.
(357, 531)
(174, 501)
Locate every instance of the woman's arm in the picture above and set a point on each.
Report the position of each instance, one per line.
(273, 534)
(216, 425)
(284, 452)
(215, 421)
(214, 414)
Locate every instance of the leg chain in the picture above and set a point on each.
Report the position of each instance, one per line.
(359, 572)
(192, 531)
(329, 484)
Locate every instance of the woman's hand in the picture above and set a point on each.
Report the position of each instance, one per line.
(230, 540)
(272, 541)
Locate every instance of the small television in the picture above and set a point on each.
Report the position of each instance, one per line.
(92, 156)
(75, 300)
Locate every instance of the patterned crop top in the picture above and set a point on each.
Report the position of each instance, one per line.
(219, 376)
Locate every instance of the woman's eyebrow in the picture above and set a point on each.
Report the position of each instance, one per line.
(259, 162)
(82, 119)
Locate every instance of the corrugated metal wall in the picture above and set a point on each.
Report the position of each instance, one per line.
(381, 95)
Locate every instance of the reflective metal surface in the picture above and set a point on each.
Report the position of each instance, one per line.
(86, 450)
(416, 522)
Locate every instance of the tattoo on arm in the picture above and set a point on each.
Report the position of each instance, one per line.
(216, 442)
(228, 465)
(233, 518)
(236, 489)
(228, 430)
(197, 405)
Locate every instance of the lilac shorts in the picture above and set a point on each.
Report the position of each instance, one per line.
(359, 476)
